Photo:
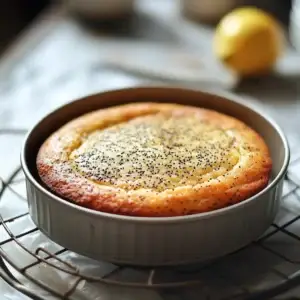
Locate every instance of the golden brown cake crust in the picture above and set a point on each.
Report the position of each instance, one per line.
(154, 160)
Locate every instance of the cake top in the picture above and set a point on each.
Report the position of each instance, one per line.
(154, 159)
(157, 152)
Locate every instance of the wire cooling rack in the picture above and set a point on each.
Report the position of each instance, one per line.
(264, 269)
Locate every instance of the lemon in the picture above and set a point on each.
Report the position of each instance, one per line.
(249, 41)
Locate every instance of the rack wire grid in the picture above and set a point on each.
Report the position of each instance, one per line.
(262, 270)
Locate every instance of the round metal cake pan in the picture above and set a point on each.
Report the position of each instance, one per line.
(156, 241)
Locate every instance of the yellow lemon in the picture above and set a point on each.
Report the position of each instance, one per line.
(248, 41)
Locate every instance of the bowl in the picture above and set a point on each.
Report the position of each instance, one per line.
(157, 241)
(209, 11)
(101, 9)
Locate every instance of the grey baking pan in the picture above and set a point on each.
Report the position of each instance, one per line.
(154, 241)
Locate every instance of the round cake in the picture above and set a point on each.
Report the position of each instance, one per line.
(154, 160)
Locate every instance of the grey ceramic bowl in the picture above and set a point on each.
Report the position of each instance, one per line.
(154, 241)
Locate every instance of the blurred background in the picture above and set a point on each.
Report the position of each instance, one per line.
(16, 14)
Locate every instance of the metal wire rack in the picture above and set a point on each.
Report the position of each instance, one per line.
(278, 250)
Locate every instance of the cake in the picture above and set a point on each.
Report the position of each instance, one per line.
(154, 160)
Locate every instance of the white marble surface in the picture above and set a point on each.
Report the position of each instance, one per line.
(51, 67)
